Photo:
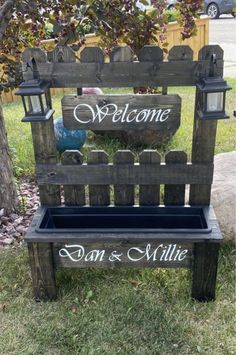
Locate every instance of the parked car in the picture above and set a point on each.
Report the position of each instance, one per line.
(213, 8)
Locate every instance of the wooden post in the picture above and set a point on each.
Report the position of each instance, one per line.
(203, 148)
(205, 271)
(42, 271)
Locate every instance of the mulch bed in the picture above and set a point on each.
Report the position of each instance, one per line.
(14, 226)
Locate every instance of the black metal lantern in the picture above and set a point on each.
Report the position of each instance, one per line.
(36, 99)
(212, 98)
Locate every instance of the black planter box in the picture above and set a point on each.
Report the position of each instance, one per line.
(124, 219)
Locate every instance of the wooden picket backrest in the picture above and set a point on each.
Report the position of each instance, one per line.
(121, 69)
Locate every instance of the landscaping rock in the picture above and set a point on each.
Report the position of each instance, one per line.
(224, 193)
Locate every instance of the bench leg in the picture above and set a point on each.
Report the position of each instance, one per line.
(205, 271)
(42, 271)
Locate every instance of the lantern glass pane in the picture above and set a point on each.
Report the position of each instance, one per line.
(44, 101)
(34, 105)
(215, 101)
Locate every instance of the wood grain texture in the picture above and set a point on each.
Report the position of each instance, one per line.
(205, 271)
(38, 54)
(121, 112)
(175, 194)
(42, 271)
(92, 55)
(203, 149)
(149, 194)
(110, 254)
(99, 195)
(74, 195)
(150, 54)
(45, 152)
(62, 54)
(180, 53)
(125, 74)
(124, 193)
(125, 173)
(121, 54)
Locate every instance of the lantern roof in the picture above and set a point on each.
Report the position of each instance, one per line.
(213, 84)
(33, 87)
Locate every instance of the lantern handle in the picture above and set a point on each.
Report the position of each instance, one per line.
(33, 66)
(213, 65)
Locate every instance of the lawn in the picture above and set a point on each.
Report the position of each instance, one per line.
(137, 311)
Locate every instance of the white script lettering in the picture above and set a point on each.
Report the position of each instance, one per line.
(85, 114)
(162, 253)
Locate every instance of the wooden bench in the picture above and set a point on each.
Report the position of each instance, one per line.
(111, 214)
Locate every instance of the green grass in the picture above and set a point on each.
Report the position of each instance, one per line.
(115, 312)
(20, 134)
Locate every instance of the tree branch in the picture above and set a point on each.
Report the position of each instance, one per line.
(6, 11)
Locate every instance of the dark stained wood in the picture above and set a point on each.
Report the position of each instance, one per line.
(42, 271)
(62, 54)
(92, 55)
(204, 135)
(38, 54)
(180, 53)
(122, 254)
(124, 193)
(121, 112)
(149, 194)
(207, 51)
(125, 74)
(121, 54)
(74, 195)
(99, 195)
(45, 152)
(205, 271)
(175, 194)
(150, 54)
(125, 173)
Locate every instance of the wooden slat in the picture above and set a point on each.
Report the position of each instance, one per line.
(125, 173)
(124, 194)
(74, 195)
(121, 112)
(150, 54)
(125, 74)
(62, 54)
(133, 254)
(180, 53)
(206, 52)
(149, 195)
(121, 54)
(92, 55)
(99, 195)
(175, 194)
(38, 54)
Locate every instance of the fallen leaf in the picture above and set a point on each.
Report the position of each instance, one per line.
(2, 307)
(135, 282)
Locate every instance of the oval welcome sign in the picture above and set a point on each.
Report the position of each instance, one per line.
(121, 112)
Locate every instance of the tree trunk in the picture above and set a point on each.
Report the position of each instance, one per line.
(8, 196)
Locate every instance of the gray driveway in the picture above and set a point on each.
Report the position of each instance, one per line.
(223, 32)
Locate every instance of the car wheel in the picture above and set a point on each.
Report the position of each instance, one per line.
(234, 14)
(213, 11)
